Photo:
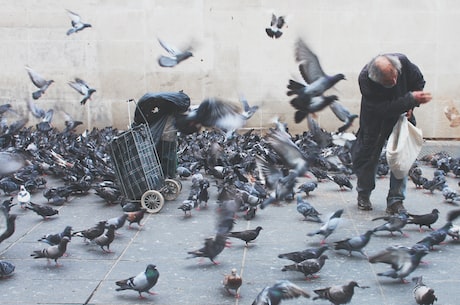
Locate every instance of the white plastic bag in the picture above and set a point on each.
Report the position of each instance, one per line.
(403, 147)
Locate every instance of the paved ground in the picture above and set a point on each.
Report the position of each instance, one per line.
(87, 275)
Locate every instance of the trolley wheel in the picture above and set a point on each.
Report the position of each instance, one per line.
(171, 190)
(153, 201)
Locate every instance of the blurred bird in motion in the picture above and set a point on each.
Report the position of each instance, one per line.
(76, 22)
(83, 88)
(39, 81)
(281, 290)
(276, 24)
(175, 55)
(453, 115)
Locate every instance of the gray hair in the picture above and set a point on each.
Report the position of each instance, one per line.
(374, 71)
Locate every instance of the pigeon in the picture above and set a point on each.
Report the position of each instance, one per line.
(23, 197)
(246, 235)
(307, 187)
(424, 219)
(403, 261)
(6, 269)
(423, 294)
(299, 256)
(55, 238)
(329, 227)
(183, 172)
(233, 282)
(77, 24)
(276, 24)
(91, 233)
(319, 173)
(136, 217)
(394, 223)
(70, 123)
(213, 246)
(248, 111)
(7, 224)
(449, 194)
(281, 290)
(311, 105)
(453, 115)
(356, 243)
(106, 239)
(187, 206)
(342, 181)
(436, 237)
(175, 56)
(52, 252)
(118, 221)
(307, 210)
(337, 294)
(213, 112)
(142, 282)
(308, 267)
(42, 210)
(343, 114)
(41, 83)
(83, 88)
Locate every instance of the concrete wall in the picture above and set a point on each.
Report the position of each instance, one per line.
(232, 53)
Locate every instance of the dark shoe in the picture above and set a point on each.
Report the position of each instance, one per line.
(395, 208)
(364, 203)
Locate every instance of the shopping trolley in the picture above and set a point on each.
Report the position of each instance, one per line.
(138, 168)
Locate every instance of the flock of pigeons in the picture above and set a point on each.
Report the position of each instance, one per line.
(251, 172)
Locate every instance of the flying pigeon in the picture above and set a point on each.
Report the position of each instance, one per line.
(174, 57)
(213, 246)
(276, 24)
(6, 269)
(424, 219)
(329, 227)
(356, 243)
(423, 294)
(41, 83)
(403, 261)
(42, 210)
(299, 256)
(83, 88)
(77, 23)
(337, 294)
(91, 233)
(55, 238)
(232, 282)
(246, 235)
(308, 267)
(281, 290)
(142, 282)
(307, 210)
(70, 123)
(453, 115)
(106, 239)
(53, 252)
(313, 104)
(343, 114)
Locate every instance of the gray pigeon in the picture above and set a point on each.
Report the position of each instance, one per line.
(337, 294)
(39, 81)
(307, 187)
(356, 243)
(299, 256)
(52, 252)
(276, 24)
(55, 238)
(106, 239)
(329, 227)
(83, 88)
(343, 114)
(403, 261)
(308, 267)
(77, 23)
(281, 290)
(423, 294)
(394, 223)
(175, 56)
(6, 269)
(142, 282)
(307, 210)
(118, 221)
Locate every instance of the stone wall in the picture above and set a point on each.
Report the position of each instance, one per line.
(232, 53)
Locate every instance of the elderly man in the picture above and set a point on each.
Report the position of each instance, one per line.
(390, 85)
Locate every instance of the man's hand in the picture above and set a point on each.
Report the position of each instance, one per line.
(422, 97)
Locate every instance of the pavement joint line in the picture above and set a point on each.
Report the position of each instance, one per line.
(243, 262)
(115, 262)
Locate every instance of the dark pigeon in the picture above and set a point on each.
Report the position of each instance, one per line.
(337, 294)
(55, 238)
(424, 219)
(106, 239)
(91, 233)
(42, 210)
(281, 290)
(394, 223)
(308, 267)
(247, 235)
(213, 246)
(299, 256)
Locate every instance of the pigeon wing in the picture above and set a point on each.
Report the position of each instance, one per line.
(309, 66)
(36, 78)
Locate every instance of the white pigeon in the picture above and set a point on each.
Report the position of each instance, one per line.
(23, 197)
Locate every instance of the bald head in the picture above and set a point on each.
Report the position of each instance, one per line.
(384, 69)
